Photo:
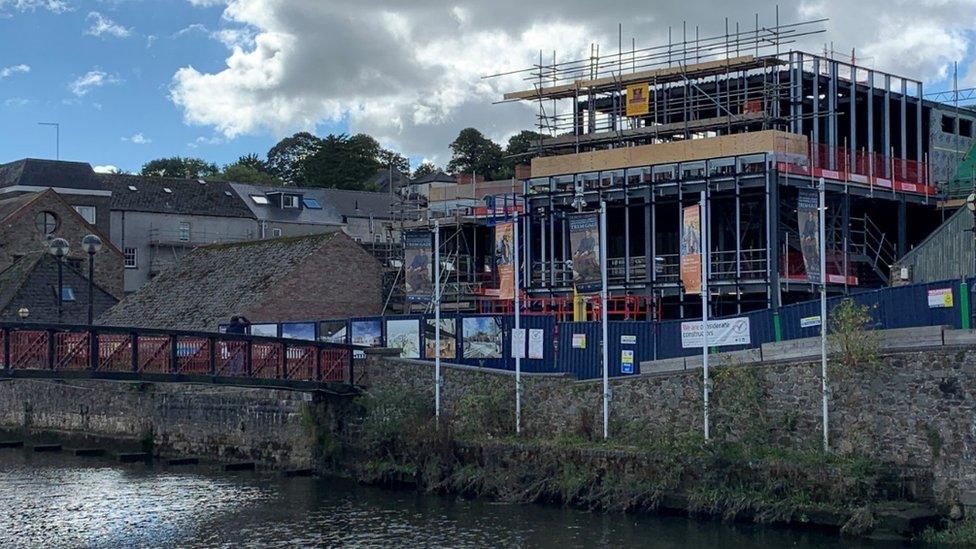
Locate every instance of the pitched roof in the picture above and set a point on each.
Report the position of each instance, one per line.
(326, 215)
(32, 281)
(10, 206)
(435, 177)
(185, 196)
(36, 172)
(212, 283)
(381, 179)
(361, 203)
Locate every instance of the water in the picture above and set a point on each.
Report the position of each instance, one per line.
(60, 500)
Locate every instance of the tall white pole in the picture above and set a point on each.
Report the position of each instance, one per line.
(437, 318)
(703, 227)
(518, 316)
(823, 310)
(603, 319)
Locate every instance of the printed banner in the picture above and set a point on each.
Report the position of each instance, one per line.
(721, 333)
(536, 339)
(691, 257)
(940, 298)
(808, 214)
(448, 338)
(637, 99)
(505, 260)
(584, 238)
(626, 361)
(518, 342)
(417, 252)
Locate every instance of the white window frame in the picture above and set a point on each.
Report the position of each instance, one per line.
(134, 263)
(289, 201)
(184, 231)
(81, 211)
(275, 232)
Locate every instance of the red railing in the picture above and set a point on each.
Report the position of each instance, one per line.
(871, 169)
(131, 352)
(628, 307)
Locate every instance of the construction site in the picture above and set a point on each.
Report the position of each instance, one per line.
(746, 120)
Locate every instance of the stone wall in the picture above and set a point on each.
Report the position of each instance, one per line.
(916, 410)
(224, 423)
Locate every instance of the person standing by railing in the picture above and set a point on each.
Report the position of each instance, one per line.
(238, 325)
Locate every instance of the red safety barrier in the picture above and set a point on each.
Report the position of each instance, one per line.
(870, 169)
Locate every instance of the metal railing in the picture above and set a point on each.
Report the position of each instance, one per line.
(108, 352)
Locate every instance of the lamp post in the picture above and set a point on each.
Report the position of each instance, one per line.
(58, 247)
(91, 244)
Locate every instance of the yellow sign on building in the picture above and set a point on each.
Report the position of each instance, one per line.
(637, 99)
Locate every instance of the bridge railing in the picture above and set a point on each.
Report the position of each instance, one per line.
(131, 352)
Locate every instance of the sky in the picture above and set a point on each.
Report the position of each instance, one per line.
(133, 80)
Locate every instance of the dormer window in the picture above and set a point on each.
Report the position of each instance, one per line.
(289, 201)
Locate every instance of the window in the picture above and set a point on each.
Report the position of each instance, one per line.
(88, 212)
(275, 232)
(376, 237)
(46, 222)
(67, 293)
(167, 190)
(312, 204)
(289, 201)
(131, 258)
(965, 127)
(259, 199)
(948, 124)
(132, 188)
(184, 232)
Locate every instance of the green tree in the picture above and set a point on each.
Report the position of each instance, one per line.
(252, 161)
(475, 153)
(519, 150)
(342, 162)
(177, 166)
(286, 160)
(242, 173)
(425, 168)
(400, 163)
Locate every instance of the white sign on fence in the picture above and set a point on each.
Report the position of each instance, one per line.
(518, 342)
(721, 333)
(940, 298)
(810, 321)
(628, 340)
(536, 338)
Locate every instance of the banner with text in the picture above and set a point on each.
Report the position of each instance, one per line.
(417, 252)
(505, 259)
(808, 213)
(584, 238)
(638, 96)
(721, 333)
(691, 257)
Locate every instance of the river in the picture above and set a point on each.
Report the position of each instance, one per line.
(61, 500)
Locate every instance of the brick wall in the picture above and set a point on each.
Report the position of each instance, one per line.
(19, 236)
(339, 281)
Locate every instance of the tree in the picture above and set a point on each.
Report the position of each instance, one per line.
(475, 153)
(399, 162)
(252, 161)
(518, 150)
(425, 168)
(342, 162)
(286, 160)
(242, 173)
(177, 166)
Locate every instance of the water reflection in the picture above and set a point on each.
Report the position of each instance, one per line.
(58, 500)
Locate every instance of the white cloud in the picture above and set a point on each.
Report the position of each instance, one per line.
(90, 80)
(411, 73)
(14, 102)
(138, 139)
(195, 27)
(203, 141)
(107, 168)
(53, 6)
(14, 69)
(101, 25)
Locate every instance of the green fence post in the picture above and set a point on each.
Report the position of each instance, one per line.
(964, 305)
(777, 329)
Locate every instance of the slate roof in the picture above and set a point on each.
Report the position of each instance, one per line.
(327, 215)
(10, 205)
(436, 177)
(361, 203)
(188, 196)
(212, 283)
(32, 282)
(381, 180)
(49, 173)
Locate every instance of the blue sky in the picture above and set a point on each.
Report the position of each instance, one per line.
(133, 80)
(98, 123)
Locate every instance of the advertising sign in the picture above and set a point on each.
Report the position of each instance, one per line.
(808, 214)
(579, 341)
(721, 333)
(638, 96)
(810, 321)
(448, 338)
(481, 337)
(504, 259)
(628, 340)
(584, 238)
(627, 361)
(418, 276)
(691, 257)
(940, 298)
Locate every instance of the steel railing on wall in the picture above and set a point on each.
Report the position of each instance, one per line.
(122, 352)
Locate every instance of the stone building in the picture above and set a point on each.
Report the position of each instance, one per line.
(29, 221)
(276, 280)
(76, 182)
(31, 283)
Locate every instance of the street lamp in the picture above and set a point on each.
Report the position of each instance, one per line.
(58, 247)
(91, 244)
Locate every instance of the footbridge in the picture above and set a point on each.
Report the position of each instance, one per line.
(59, 351)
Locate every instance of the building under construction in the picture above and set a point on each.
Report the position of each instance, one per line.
(748, 122)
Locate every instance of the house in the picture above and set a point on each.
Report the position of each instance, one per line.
(288, 211)
(76, 182)
(421, 186)
(30, 285)
(275, 280)
(29, 221)
(380, 181)
(156, 220)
